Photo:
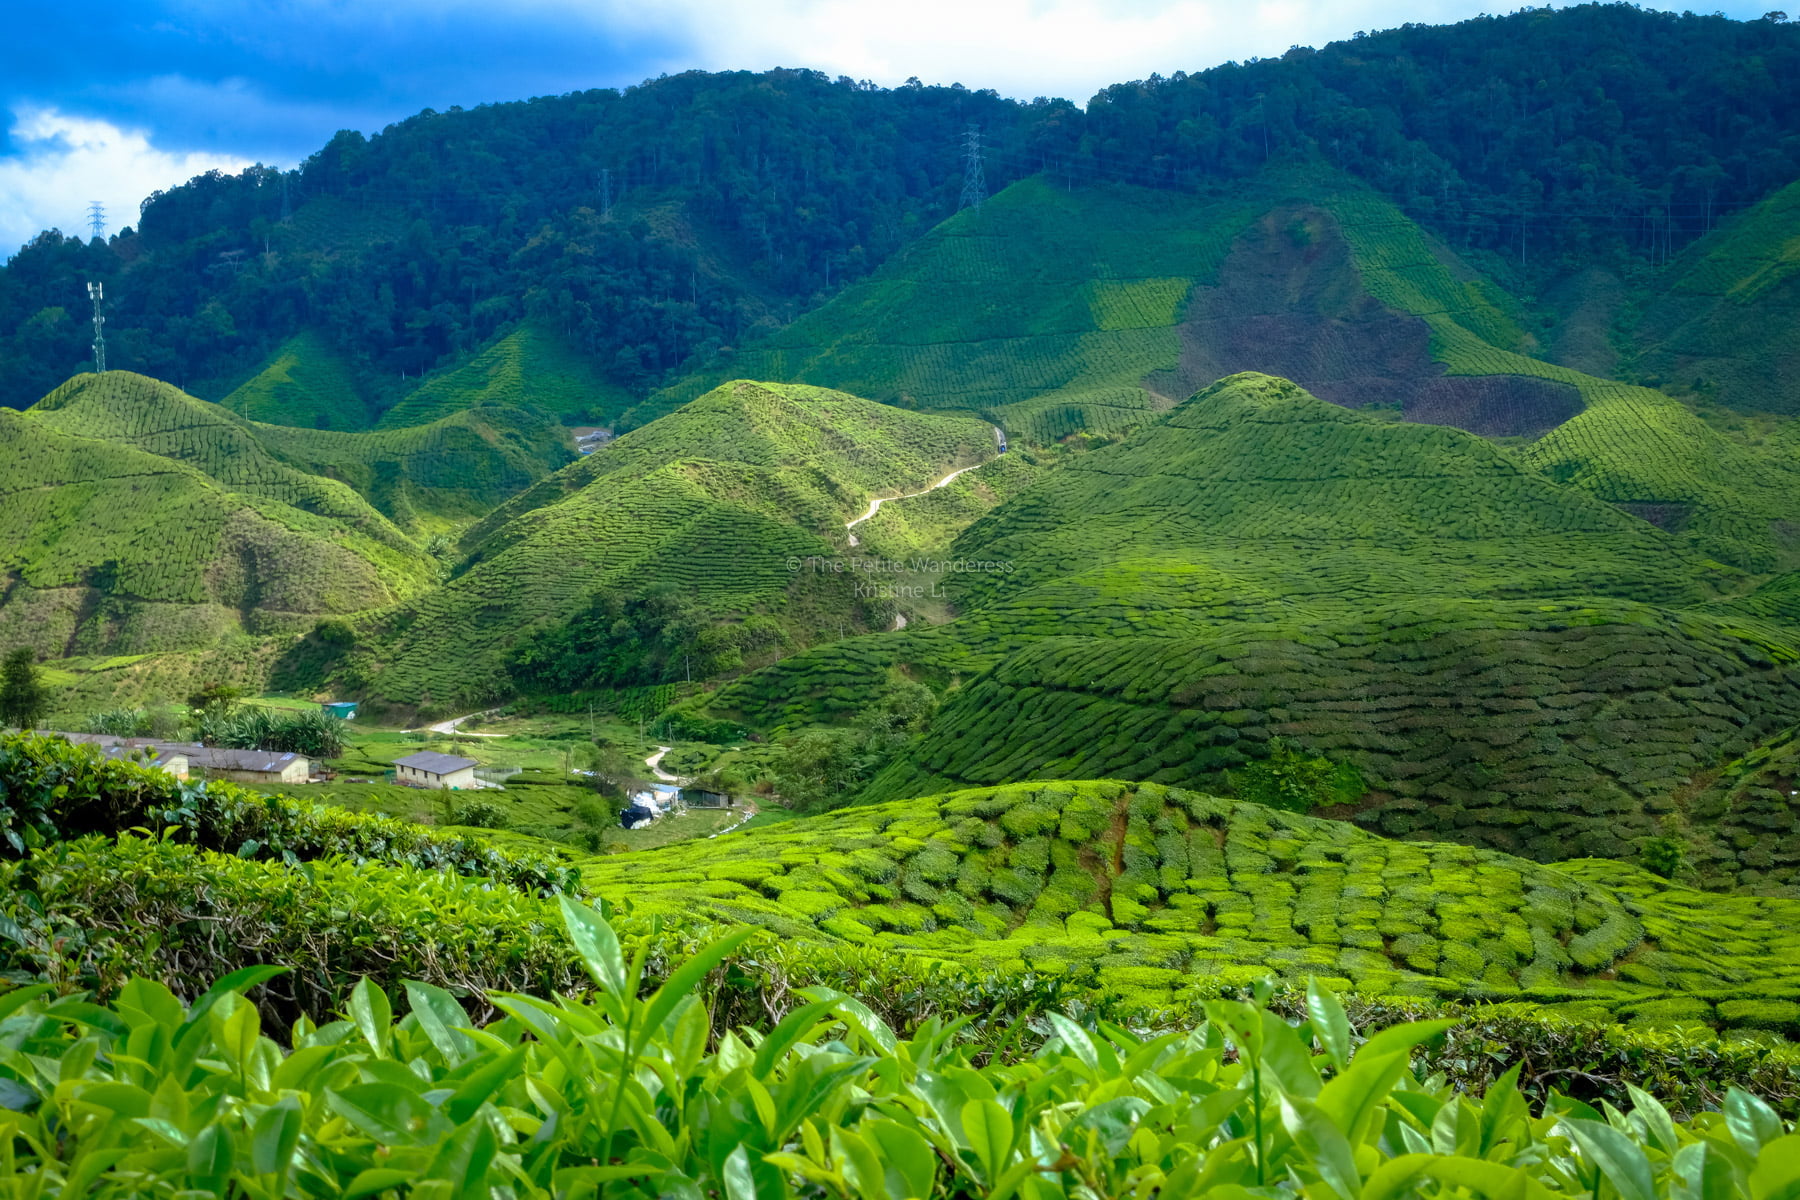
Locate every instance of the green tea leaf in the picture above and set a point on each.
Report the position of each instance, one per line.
(373, 1015)
(1753, 1123)
(1620, 1159)
(1329, 1023)
(597, 945)
(988, 1130)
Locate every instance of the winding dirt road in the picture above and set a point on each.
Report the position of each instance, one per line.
(875, 504)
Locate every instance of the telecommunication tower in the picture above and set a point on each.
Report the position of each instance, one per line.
(974, 183)
(97, 218)
(97, 295)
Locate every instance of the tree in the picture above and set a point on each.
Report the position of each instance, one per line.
(23, 696)
(215, 700)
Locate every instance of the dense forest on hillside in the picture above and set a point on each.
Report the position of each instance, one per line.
(670, 221)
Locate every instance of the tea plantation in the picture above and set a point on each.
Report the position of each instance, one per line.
(735, 506)
(1115, 919)
(1159, 888)
(1507, 662)
(1054, 311)
(111, 549)
(305, 384)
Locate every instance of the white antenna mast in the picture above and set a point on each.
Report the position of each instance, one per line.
(97, 295)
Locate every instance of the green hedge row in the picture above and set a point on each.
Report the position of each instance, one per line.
(52, 791)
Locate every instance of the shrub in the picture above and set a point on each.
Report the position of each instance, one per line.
(481, 815)
(119, 722)
(624, 1086)
(1289, 780)
(315, 734)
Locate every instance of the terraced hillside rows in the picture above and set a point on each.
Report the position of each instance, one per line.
(454, 469)
(529, 369)
(451, 471)
(1721, 322)
(1156, 889)
(305, 384)
(1054, 311)
(106, 548)
(1507, 661)
(725, 504)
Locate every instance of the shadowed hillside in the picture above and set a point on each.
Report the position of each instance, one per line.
(1721, 322)
(305, 384)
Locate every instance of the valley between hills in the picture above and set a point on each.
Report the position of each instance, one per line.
(1123, 596)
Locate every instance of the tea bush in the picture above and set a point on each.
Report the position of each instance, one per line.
(623, 1093)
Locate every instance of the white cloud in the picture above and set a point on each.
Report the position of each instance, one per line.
(60, 163)
(1022, 48)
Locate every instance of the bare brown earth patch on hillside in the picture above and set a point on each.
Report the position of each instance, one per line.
(1290, 302)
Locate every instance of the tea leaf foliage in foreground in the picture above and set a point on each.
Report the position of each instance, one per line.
(621, 1094)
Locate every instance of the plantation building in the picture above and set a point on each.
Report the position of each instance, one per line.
(429, 769)
(170, 762)
(704, 798)
(249, 766)
(181, 758)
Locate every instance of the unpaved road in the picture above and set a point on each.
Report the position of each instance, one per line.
(875, 505)
(452, 726)
(654, 762)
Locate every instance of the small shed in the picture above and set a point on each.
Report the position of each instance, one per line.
(343, 710)
(636, 814)
(429, 769)
(702, 798)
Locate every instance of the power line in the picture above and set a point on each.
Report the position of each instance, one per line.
(97, 295)
(974, 182)
(97, 218)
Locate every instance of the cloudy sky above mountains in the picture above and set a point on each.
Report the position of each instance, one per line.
(112, 100)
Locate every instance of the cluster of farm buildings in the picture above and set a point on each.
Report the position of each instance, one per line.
(426, 769)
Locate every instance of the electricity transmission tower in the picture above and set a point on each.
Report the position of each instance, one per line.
(605, 193)
(96, 294)
(97, 218)
(974, 183)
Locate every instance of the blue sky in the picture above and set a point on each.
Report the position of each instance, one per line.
(111, 100)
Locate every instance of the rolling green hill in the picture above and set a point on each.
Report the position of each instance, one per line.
(106, 548)
(1044, 311)
(719, 507)
(1507, 661)
(451, 470)
(1052, 311)
(1157, 889)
